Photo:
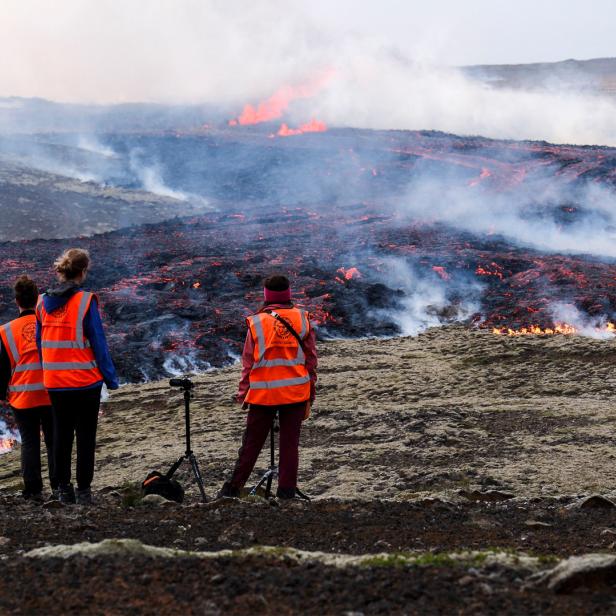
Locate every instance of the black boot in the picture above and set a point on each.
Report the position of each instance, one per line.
(285, 493)
(84, 497)
(35, 497)
(228, 491)
(66, 494)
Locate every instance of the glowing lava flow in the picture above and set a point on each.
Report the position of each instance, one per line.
(314, 126)
(348, 274)
(485, 173)
(441, 271)
(6, 444)
(559, 328)
(273, 107)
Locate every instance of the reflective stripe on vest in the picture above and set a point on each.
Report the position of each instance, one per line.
(11, 341)
(69, 365)
(68, 358)
(280, 383)
(30, 387)
(26, 367)
(298, 360)
(278, 374)
(25, 389)
(63, 344)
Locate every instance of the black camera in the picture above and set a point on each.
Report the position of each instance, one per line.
(184, 383)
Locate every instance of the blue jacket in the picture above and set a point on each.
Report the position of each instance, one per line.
(92, 329)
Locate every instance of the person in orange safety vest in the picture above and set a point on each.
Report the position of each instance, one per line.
(21, 385)
(76, 363)
(278, 375)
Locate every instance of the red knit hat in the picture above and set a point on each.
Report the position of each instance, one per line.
(281, 291)
(277, 297)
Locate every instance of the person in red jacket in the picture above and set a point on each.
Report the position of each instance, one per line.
(278, 376)
(21, 384)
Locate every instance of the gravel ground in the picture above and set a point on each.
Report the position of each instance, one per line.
(454, 442)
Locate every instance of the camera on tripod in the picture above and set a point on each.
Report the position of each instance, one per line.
(184, 383)
(156, 482)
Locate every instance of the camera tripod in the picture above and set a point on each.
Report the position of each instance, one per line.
(272, 472)
(187, 385)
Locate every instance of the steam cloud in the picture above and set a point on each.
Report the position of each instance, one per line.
(428, 301)
(592, 327)
(527, 213)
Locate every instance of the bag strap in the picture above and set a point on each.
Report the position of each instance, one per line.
(287, 325)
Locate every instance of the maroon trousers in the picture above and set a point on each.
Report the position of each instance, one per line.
(258, 424)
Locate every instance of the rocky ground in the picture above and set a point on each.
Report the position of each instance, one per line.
(36, 204)
(450, 473)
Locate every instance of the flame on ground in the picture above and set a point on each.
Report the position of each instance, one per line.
(314, 126)
(559, 328)
(273, 107)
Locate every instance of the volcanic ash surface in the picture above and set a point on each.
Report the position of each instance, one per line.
(448, 412)
(455, 472)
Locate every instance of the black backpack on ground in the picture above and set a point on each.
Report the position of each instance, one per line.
(157, 483)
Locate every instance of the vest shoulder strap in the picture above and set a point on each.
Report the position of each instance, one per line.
(286, 324)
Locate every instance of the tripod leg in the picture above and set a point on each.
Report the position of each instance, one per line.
(175, 467)
(268, 488)
(197, 474)
(261, 482)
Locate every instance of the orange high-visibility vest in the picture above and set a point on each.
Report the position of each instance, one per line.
(68, 359)
(26, 389)
(279, 374)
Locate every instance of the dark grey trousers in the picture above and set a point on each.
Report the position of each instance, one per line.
(30, 422)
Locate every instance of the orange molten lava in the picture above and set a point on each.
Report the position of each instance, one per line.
(314, 126)
(559, 328)
(441, 271)
(273, 107)
(348, 274)
(6, 444)
(485, 173)
(494, 269)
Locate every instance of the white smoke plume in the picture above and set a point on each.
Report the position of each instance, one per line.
(526, 213)
(427, 300)
(92, 144)
(591, 327)
(230, 53)
(151, 178)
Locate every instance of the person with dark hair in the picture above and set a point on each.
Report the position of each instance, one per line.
(76, 363)
(279, 373)
(21, 385)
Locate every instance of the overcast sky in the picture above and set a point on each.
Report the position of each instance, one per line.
(193, 50)
(481, 31)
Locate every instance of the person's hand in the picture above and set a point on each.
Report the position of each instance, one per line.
(307, 411)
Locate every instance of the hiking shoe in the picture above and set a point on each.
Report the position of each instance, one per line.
(55, 494)
(33, 497)
(84, 497)
(285, 493)
(66, 494)
(228, 491)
